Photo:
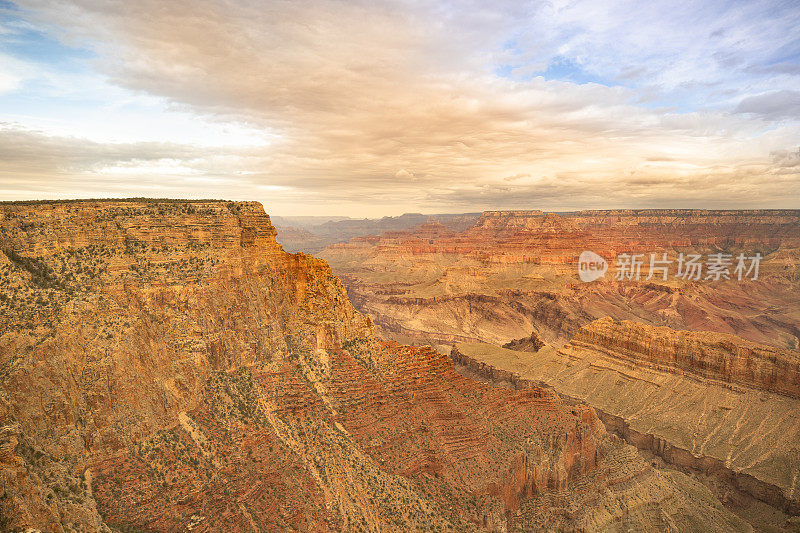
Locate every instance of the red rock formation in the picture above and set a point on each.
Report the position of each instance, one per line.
(426, 287)
(115, 313)
(713, 356)
(166, 366)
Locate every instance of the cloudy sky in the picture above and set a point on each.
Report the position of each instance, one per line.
(368, 108)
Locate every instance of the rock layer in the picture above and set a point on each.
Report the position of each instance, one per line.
(166, 366)
(705, 401)
(713, 356)
(515, 272)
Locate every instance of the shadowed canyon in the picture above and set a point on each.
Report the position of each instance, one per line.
(167, 366)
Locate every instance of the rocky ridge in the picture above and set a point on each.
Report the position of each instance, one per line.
(166, 366)
(515, 272)
(712, 403)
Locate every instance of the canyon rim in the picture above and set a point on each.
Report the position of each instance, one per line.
(399, 266)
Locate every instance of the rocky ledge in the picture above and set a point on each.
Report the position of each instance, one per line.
(713, 356)
(709, 402)
(166, 366)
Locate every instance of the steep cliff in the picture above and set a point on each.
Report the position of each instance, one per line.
(712, 403)
(517, 271)
(115, 315)
(713, 356)
(166, 366)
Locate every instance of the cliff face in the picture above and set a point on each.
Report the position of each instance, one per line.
(516, 271)
(103, 297)
(713, 403)
(549, 238)
(167, 366)
(712, 356)
(115, 315)
(760, 228)
(741, 218)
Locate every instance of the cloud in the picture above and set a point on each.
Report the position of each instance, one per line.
(786, 159)
(33, 164)
(772, 105)
(761, 185)
(13, 73)
(354, 91)
(404, 174)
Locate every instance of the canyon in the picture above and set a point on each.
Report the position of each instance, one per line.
(312, 234)
(708, 403)
(700, 375)
(516, 272)
(166, 366)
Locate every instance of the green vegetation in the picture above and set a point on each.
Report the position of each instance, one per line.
(362, 351)
(41, 274)
(236, 395)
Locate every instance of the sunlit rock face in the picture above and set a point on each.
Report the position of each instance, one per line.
(166, 366)
(516, 272)
(117, 314)
(712, 356)
(712, 403)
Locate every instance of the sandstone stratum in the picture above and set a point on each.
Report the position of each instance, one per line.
(310, 235)
(166, 366)
(718, 406)
(516, 272)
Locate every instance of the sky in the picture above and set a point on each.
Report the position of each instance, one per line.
(372, 108)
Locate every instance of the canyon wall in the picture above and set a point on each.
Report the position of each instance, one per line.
(516, 272)
(166, 366)
(710, 402)
(116, 313)
(712, 356)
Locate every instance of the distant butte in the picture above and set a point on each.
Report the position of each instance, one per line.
(514, 272)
